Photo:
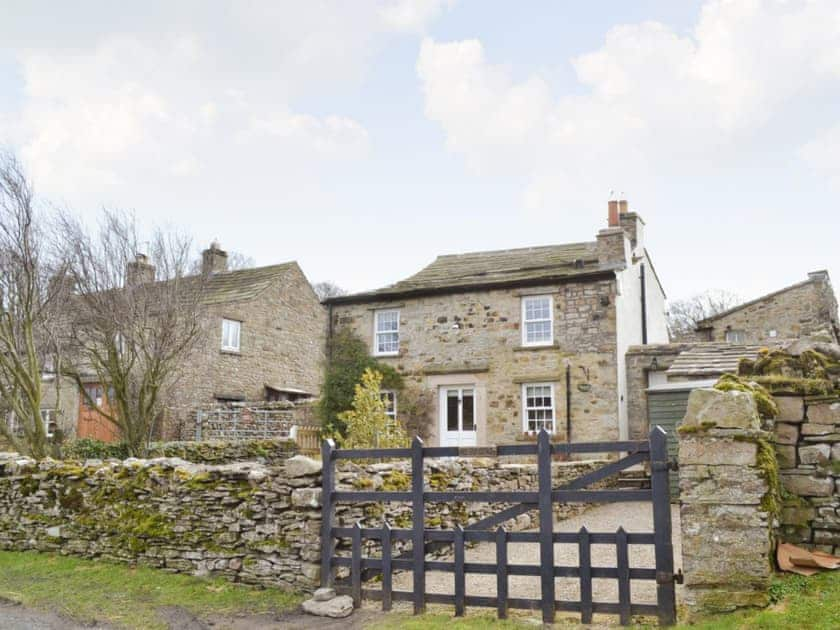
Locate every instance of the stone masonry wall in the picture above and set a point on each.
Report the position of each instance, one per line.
(799, 311)
(728, 502)
(247, 522)
(485, 351)
(283, 341)
(807, 441)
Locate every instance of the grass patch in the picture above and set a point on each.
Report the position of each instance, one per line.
(89, 591)
(798, 603)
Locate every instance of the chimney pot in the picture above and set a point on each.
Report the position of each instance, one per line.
(612, 213)
(622, 206)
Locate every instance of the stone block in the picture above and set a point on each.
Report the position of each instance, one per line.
(730, 485)
(337, 607)
(786, 456)
(796, 515)
(814, 428)
(301, 466)
(716, 451)
(807, 485)
(732, 410)
(785, 433)
(715, 599)
(791, 408)
(824, 413)
(835, 452)
(814, 454)
(826, 537)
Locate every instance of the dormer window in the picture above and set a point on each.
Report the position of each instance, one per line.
(537, 320)
(231, 330)
(386, 337)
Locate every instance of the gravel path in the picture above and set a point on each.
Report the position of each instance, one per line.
(633, 517)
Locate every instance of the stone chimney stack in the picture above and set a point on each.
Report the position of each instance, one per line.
(612, 240)
(632, 224)
(213, 259)
(139, 271)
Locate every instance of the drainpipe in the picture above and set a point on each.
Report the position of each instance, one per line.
(329, 331)
(568, 402)
(644, 305)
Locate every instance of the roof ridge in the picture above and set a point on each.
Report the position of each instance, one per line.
(516, 249)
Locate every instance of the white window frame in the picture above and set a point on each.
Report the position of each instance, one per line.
(230, 347)
(734, 333)
(377, 333)
(385, 393)
(48, 417)
(550, 320)
(525, 407)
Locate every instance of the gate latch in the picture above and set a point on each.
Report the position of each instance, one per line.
(671, 464)
(663, 577)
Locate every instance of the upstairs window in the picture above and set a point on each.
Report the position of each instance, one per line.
(94, 396)
(538, 407)
(386, 338)
(230, 335)
(537, 321)
(736, 336)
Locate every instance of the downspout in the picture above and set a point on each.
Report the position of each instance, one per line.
(329, 331)
(568, 402)
(644, 305)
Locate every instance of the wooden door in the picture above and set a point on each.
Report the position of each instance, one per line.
(93, 424)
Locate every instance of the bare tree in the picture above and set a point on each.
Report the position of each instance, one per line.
(683, 315)
(28, 316)
(136, 317)
(326, 290)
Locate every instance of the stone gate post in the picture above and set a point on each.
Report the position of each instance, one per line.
(726, 468)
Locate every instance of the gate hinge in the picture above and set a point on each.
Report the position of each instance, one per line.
(671, 464)
(663, 577)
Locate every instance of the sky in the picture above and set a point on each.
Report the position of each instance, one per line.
(364, 138)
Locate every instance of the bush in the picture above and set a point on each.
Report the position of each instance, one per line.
(367, 424)
(348, 358)
(88, 448)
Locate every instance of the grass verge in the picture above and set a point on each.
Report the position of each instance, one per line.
(88, 591)
(799, 603)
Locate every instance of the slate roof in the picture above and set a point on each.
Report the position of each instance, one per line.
(476, 270)
(242, 284)
(711, 359)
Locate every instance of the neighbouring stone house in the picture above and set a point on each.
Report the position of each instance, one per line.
(264, 340)
(801, 310)
(515, 340)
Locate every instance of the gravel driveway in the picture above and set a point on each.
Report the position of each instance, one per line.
(633, 517)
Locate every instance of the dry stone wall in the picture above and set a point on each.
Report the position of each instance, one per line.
(247, 522)
(807, 442)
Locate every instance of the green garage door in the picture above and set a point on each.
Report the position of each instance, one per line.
(666, 409)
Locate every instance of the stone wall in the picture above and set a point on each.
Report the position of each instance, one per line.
(247, 522)
(807, 441)
(804, 309)
(485, 351)
(283, 341)
(729, 499)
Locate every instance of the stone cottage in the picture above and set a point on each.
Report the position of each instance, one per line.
(801, 310)
(264, 340)
(512, 341)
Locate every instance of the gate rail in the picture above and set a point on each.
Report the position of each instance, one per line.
(653, 450)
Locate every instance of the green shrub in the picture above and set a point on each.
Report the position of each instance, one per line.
(89, 448)
(368, 426)
(348, 358)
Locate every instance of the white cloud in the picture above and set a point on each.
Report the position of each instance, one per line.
(174, 91)
(652, 96)
(412, 15)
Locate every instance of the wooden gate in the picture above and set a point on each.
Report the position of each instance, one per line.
(424, 540)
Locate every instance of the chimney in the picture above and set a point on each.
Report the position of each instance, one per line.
(139, 271)
(612, 214)
(213, 259)
(632, 224)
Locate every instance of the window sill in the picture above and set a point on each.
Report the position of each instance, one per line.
(385, 355)
(543, 346)
(236, 353)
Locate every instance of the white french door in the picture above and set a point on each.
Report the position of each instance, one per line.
(457, 416)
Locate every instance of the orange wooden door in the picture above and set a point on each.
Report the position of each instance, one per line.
(93, 424)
